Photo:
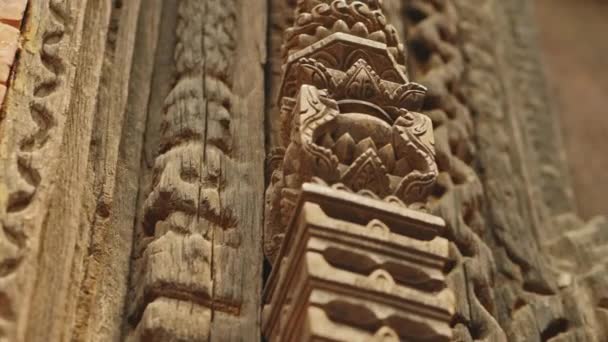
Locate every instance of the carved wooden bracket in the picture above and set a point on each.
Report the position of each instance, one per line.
(349, 125)
(348, 113)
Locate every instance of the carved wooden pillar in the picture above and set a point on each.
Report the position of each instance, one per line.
(198, 259)
(356, 257)
(131, 196)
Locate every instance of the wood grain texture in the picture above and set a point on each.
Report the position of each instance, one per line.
(199, 244)
(358, 165)
(101, 268)
(45, 134)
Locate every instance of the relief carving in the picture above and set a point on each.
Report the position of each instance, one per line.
(509, 281)
(354, 267)
(430, 211)
(357, 157)
(348, 116)
(189, 237)
(27, 143)
(318, 19)
(431, 30)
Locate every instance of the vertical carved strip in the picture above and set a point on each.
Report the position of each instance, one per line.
(476, 58)
(196, 275)
(101, 267)
(53, 301)
(47, 124)
(523, 270)
(436, 62)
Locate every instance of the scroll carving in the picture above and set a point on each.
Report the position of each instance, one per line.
(29, 143)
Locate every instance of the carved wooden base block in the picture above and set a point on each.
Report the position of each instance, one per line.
(355, 268)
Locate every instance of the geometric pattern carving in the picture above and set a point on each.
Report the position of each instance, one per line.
(374, 271)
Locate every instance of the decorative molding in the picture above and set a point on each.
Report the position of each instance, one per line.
(352, 267)
(356, 130)
(183, 214)
(45, 131)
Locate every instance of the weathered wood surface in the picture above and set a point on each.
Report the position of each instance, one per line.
(197, 259)
(71, 174)
(354, 267)
(112, 101)
(45, 135)
(349, 123)
(109, 203)
(525, 271)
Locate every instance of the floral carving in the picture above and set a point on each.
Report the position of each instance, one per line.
(348, 117)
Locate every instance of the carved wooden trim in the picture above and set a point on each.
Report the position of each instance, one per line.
(355, 268)
(391, 146)
(47, 114)
(132, 175)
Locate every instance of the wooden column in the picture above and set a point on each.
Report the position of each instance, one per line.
(350, 193)
(197, 258)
